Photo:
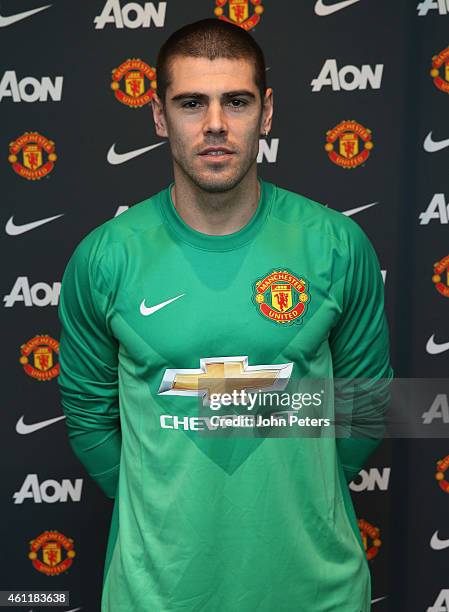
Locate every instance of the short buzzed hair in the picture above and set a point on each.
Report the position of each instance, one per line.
(210, 38)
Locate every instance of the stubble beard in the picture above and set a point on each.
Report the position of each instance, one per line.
(215, 180)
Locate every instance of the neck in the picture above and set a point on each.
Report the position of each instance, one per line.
(216, 214)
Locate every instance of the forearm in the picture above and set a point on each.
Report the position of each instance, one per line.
(93, 427)
(354, 454)
(99, 452)
(361, 421)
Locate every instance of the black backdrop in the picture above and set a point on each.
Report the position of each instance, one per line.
(378, 65)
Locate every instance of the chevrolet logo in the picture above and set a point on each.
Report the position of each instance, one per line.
(223, 375)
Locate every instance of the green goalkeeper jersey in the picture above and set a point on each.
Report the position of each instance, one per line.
(155, 317)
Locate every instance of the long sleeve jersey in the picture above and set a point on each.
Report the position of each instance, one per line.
(154, 314)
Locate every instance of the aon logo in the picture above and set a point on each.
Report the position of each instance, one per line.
(131, 15)
(48, 491)
(39, 294)
(348, 78)
(442, 6)
(369, 480)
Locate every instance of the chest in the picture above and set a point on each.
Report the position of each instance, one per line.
(177, 305)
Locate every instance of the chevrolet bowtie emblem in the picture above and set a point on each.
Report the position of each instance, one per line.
(223, 375)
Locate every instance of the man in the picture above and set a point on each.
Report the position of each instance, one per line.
(221, 277)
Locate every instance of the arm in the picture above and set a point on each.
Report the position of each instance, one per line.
(359, 344)
(88, 359)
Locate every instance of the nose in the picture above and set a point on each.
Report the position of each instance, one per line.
(215, 120)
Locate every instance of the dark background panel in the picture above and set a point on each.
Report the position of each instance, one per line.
(399, 176)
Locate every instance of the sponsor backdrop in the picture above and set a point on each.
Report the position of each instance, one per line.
(361, 92)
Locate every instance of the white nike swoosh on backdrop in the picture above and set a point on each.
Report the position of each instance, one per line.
(433, 348)
(13, 229)
(10, 19)
(322, 10)
(354, 211)
(145, 311)
(120, 158)
(432, 146)
(437, 544)
(373, 601)
(23, 428)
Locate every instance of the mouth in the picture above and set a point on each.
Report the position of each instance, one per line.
(216, 153)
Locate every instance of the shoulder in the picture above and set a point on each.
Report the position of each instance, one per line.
(114, 233)
(303, 212)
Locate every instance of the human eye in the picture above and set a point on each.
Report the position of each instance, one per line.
(242, 103)
(185, 105)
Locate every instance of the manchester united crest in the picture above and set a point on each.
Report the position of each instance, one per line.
(134, 83)
(441, 276)
(442, 467)
(238, 12)
(369, 532)
(46, 553)
(348, 144)
(32, 156)
(440, 70)
(282, 297)
(37, 357)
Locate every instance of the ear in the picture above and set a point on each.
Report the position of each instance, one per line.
(159, 117)
(267, 111)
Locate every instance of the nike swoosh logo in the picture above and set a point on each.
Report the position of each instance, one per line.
(373, 601)
(6, 21)
(354, 211)
(433, 348)
(23, 428)
(437, 544)
(145, 311)
(431, 146)
(323, 10)
(120, 158)
(14, 230)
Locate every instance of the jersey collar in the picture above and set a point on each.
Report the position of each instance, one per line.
(210, 242)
